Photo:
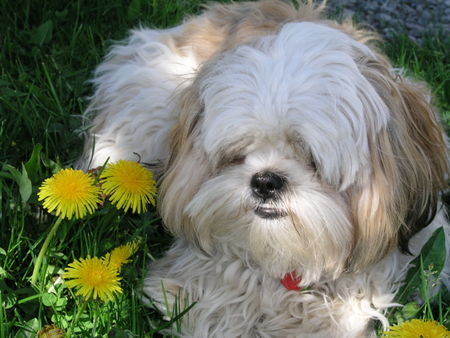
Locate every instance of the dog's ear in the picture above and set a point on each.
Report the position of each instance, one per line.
(430, 161)
(409, 168)
(182, 134)
(185, 170)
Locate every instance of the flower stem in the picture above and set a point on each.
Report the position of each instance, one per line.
(44, 248)
(77, 317)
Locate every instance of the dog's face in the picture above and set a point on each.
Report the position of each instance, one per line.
(301, 152)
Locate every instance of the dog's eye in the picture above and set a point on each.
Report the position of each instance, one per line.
(312, 163)
(237, 160)
(228, 161)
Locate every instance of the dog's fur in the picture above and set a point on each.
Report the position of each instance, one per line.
(254, 88)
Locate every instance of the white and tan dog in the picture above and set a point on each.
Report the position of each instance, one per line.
(297, 166)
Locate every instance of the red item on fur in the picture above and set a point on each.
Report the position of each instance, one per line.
(290, 281)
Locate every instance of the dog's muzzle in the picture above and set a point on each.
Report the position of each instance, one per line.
(266, 187)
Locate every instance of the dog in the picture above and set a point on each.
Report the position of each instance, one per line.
(297, 166)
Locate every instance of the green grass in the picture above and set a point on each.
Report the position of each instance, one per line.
(48, 52)
(429, 62)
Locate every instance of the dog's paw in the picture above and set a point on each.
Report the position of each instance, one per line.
(166, 295)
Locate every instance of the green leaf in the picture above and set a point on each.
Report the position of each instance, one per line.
(22, 180)
(63, 321)
(8, 300)
(49, 299)
(62, 14)
(43, 34)
(32, 166)
(410, 310)
(8, 92)
(15, 174)
(30, 329)
(25, 186)
(7, 295)
(60, 303)
(4, 82)
(430, 261)
(134, 10)
(34, 324)
(24, 333)
(5, 175)
(52, 165)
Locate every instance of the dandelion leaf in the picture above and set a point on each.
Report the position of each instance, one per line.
(429, 263)
(32, 165)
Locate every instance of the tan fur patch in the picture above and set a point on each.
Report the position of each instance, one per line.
(410, 166)
(224, 27)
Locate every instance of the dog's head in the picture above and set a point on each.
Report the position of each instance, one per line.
(302, 151)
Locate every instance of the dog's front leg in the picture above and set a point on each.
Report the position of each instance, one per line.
(163, 286)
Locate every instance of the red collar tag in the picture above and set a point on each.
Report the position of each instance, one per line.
(291, 281)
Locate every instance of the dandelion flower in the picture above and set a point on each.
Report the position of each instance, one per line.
(128, 184)
(93, 279)
(418, 328)
(69, 193)
(120, 255)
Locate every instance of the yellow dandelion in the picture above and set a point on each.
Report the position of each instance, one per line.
(128, 184)
(120, 255)
(69, 193)
(93, 279)
(418, 328)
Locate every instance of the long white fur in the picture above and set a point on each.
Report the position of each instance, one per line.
(275, 102)
(236, 298)
(281, 86)
(133, 99)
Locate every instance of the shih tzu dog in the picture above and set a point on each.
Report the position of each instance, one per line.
(297, 167)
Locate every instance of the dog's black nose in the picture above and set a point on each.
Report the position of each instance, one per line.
(267, 185)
